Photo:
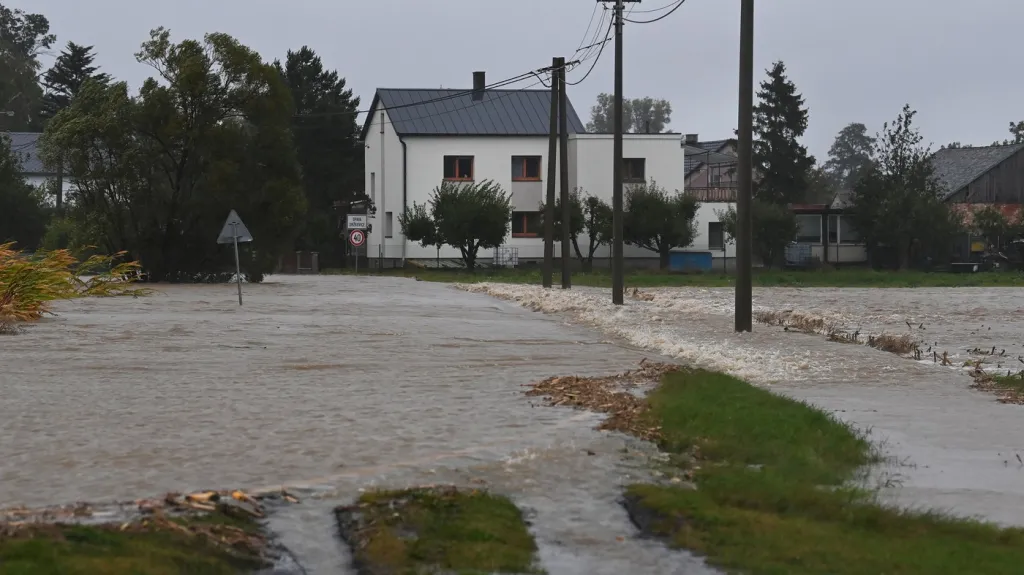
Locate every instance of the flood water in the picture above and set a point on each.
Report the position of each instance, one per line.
(336, 384)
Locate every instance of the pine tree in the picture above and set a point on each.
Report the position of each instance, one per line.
(780, 119)
(64, 80)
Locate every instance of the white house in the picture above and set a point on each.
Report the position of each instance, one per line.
(25, 147)
(416, 138)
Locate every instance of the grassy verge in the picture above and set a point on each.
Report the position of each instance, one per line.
(762, 278)
(209, 544)
(428, 530)
(772, 492)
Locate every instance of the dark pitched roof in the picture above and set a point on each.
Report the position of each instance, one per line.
(702, 153)
(956, 168)
(25, 146)
(499, 113)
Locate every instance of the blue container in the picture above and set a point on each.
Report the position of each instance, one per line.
(684, 261)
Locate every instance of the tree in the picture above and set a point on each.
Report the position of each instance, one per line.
(65, 79)
(156, 174)
(418, 226)
(22, 37)
(466, 216)
(640, 115)
(23, 214)
(327, 138)
(659, 221)
(773, 227)
(850, 155)
(780, 119)
(990, 222)
(898, 202)
(587, 214)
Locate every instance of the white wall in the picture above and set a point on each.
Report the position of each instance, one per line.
(708, 212)
(384, 187)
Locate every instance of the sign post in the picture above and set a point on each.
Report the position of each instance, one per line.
(356, 237)
(234, 231)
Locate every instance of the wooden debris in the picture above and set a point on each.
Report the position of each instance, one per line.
(626, 411)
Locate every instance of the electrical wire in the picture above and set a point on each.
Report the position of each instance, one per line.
(452, 96)
(652, 10)
(597, 59)
(662, 17)
(589, 24)
(590, 49)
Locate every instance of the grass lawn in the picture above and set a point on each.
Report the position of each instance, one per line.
(773, 493)
(137, 550)
(437, 529)
(848, 277)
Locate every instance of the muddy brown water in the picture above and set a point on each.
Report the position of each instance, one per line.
(331, 385)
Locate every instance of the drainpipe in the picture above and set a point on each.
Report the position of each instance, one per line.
(405, 190)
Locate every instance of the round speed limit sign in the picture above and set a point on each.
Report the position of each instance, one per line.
(357, 237)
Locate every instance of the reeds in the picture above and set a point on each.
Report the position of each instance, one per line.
(28, 283)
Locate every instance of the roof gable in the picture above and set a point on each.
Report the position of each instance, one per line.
(455, 112)
(25, 146)
(956, 168)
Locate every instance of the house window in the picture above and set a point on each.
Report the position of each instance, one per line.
(808, 228)
(716, 236)
(526, 224)
(847, 233)
(389, 224)
(634, 170)
(716, 179)
(458, 168)
(525, 168)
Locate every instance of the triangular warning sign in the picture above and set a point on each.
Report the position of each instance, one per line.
(234, 228)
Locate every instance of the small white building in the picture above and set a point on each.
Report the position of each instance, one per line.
(416, 138)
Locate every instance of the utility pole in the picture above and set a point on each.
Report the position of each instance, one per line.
(618, 280)
(549, 203)
(744, 192)
(563, 168)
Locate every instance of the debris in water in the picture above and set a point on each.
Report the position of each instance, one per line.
(609, 394)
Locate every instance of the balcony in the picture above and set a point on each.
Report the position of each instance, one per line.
(720, 193)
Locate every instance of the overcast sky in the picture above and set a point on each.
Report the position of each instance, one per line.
(853, 60)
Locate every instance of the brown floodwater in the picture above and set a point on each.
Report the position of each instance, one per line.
(332, 385)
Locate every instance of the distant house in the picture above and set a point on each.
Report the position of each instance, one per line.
(25, 146)
(417, 138)
(710, 168)
(825, 233)
(985, 175)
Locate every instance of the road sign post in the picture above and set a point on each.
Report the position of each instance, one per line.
(234, 231)
(356, 238)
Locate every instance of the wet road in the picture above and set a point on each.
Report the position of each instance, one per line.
(331, 383)
(338, 384)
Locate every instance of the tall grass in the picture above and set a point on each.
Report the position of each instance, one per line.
(29, 283)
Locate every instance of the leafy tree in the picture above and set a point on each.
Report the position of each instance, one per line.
(23, 212)
(898, 203)
(640, 115)
(659, 221)
(63, 81)
(850, 155)
(990, 222)
(588, 214)
(467, 216)
(418, 226)
(156, 174)
(773, 227)
(1017, 130)
(327, 138)
(22, 37)
(780, 119)
(821, 188)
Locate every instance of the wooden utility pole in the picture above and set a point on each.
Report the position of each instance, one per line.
(549, 203)
(563, 169)
(618, 278)
(744, 191)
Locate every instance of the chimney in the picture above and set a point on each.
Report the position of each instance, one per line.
(479, 84)
(691, 139)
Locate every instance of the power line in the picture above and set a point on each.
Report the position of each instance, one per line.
(459, 94)
(662, 17)
(596, 60)
(590, 49)
(589, 24)
(652, 10)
